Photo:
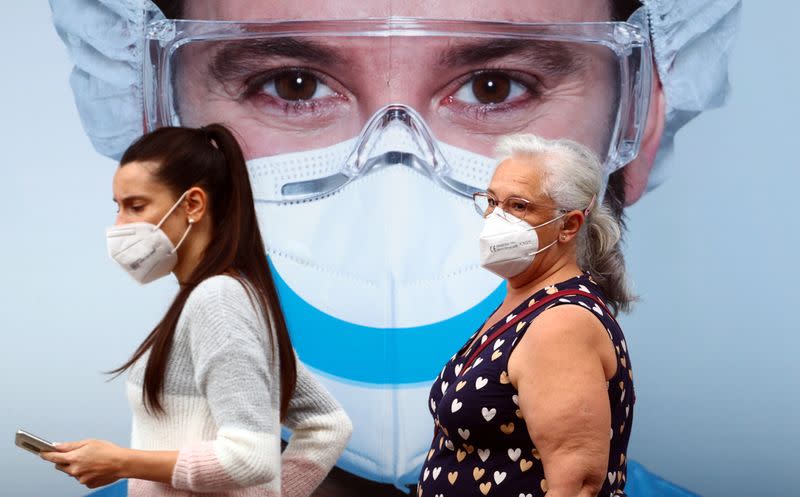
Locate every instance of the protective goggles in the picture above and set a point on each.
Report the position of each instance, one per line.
(405, 91)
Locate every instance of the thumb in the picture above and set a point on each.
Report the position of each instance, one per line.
(68, 446)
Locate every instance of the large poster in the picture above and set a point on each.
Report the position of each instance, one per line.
(366, 128)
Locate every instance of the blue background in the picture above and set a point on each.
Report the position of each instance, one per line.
(712, 253)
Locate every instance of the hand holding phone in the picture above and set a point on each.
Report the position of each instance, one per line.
(32, 443)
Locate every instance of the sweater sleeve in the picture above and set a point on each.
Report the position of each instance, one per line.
(320, 432)
(236, 371)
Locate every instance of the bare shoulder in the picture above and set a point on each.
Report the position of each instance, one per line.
(566, 325)
(565, 337)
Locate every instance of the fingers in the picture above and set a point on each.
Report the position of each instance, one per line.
(56, 457)
(68, 446)
(62, 468)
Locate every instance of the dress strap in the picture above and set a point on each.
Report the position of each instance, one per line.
(527, 312)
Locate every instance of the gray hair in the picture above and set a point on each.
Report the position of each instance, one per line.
(573, 176)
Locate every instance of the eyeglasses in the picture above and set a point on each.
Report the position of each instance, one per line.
(485, 203)
(288, 87)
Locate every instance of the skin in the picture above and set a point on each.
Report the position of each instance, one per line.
(569, 110)
(141, 198)
(562, 364)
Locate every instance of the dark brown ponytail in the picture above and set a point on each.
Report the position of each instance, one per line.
(211, 158)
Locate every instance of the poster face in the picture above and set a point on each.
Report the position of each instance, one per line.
(365, 138)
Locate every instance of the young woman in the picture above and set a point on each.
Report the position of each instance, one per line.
(215, 379)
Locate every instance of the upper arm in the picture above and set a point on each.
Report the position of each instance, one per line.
(234, 364)
(563, 395)
(236, 373)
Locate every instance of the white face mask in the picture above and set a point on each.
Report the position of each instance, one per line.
(379, 286)
(508, 244)
(143, 250)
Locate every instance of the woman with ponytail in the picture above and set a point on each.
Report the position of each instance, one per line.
(540, 398)
(212, 383)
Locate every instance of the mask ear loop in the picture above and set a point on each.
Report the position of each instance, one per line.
(170, 211)
(586, 212)
(544, 248)
(589, 207)
(545, 224)
(185, 234)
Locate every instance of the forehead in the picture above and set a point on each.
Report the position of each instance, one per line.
(136, 178)
(520, 177)
(507, 10)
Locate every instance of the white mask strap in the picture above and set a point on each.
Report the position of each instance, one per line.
(511, 218)
(172, 209)
(589, 207)
(185, 234)
(550, 221)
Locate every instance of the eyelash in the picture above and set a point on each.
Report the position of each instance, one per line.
(532, 84)
(254, 84)
(253, 90)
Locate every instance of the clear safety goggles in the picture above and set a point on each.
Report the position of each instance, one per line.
(437, 86)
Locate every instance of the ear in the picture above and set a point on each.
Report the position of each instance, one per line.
(572, 223)
(638, 170)
(195, 204)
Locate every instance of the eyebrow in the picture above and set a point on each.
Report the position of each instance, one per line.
(554, 57)
(235, 59)
(535, 202)
(130, 198)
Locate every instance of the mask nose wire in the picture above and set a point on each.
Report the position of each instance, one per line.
(429, 160)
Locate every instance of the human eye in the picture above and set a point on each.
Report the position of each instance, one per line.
(295, 91)
(490, 88)
(293, 85)
(494, 90)
(517, 206)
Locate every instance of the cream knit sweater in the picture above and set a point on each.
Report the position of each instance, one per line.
(221, 397)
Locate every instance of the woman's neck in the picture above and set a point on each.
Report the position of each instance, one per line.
(524, 285)
(191, 253)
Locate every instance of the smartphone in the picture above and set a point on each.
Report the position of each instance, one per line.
(32, 443)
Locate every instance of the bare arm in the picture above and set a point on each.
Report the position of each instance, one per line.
(95, 463)
(558, 370)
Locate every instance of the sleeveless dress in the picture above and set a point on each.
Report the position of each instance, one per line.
(481, 445)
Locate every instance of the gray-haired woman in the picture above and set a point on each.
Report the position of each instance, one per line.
(540, 399)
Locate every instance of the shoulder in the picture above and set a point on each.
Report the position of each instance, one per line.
(219, 285)
(221, 292)
(575, 319)
(565, 328)
(222, 302)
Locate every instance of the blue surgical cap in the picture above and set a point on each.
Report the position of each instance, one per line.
(692, 42)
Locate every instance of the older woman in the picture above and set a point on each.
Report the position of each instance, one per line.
(540, 399)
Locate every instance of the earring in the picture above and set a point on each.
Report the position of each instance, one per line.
(191, 221)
